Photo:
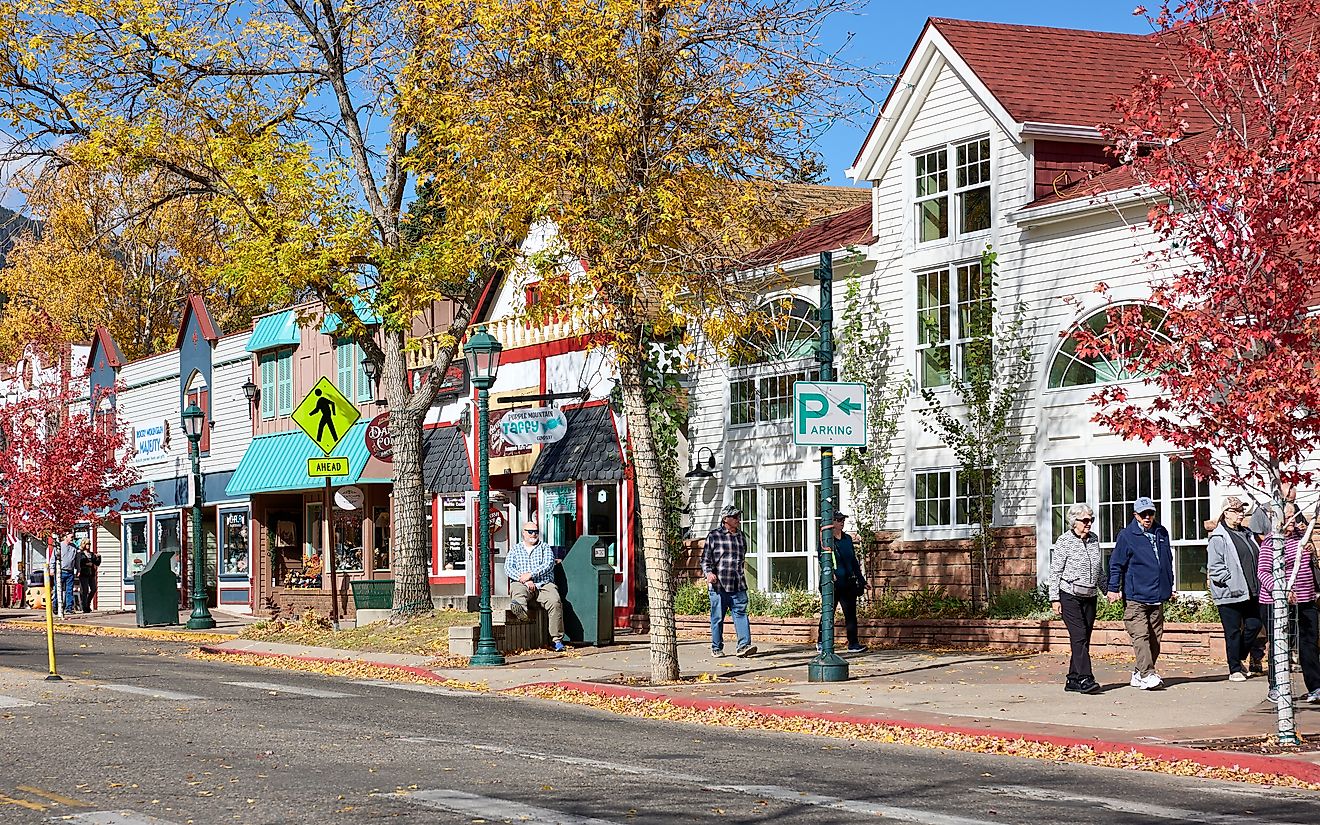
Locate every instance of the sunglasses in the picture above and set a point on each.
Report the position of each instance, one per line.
(532, 532)
(1085, 520)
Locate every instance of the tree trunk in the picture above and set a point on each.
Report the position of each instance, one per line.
(412, 561)
(650, 508)
(1279, 652)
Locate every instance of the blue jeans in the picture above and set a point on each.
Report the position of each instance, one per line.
(66, 587)
(735, 603)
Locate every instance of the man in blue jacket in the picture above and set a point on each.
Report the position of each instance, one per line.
(1141, 573)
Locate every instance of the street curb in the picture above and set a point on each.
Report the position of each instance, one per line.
(423, 672)
(1259, 763)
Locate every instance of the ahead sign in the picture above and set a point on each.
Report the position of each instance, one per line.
(829, 414)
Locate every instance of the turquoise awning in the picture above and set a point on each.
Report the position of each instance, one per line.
(361, 308)
(278, 463)
(278, 330)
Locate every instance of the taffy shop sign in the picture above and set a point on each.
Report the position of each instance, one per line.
(152, 441)
(542, 426)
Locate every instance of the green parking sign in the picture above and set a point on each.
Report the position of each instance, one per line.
(829, 414)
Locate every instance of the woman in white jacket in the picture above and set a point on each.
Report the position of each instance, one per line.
(1076, 579)
(1231, 560)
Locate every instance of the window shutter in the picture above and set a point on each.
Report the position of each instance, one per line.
(268, 385)
(365, 392)
(204, 401)
(284, 366)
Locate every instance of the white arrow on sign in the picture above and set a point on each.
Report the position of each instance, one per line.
(829, 414)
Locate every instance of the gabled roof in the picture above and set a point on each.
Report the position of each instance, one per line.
(445, 466)
(589, 450)
(104, 348)
(197, 307)
(827, 234)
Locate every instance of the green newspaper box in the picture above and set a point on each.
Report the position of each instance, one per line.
(587, 585)
(157, 591)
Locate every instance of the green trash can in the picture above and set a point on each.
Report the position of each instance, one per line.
(156, 591)
(586, 582)
(373, 594)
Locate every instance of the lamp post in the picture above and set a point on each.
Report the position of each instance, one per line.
(483, 356)
(193, 421)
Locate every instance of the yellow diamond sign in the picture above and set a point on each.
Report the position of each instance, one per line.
(325, 415)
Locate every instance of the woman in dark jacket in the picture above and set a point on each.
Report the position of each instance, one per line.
(88, 561)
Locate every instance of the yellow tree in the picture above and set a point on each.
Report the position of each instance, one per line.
(278, 117)
(651, 135)
(108, 255)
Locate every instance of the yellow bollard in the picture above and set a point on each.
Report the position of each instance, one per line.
(50, 627)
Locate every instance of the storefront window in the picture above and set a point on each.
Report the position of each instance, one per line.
(234, 543)
(348, 540)
(559, 515)
(314, 533)
(168, 538)
(380, 521)
(453, 538)
(135, 547)
(603, 518)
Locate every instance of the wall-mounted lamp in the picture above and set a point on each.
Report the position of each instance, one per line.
(465, 420)
(703, 469)
(370, 370)
(250, 391)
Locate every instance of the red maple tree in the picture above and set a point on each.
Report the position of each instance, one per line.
(1227, 132)
(60, 466)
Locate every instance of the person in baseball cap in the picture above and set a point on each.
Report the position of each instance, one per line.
(1141, 575)
(724, 562)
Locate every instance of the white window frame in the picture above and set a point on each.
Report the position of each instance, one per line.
(953, 192)
(957, 308)
(758, 531)
(958, 502)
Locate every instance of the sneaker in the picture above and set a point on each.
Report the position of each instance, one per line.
(1313, 698)
(1136, 681)
(1152, 681)
(559, 646)
(717, 652)
(1237, 676)
(1072, 687)
(856, 648)
(746, 651)
(1088, 685)
(519, 611)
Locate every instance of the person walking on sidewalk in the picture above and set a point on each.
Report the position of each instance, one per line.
(1076, 576)
(723, 561)
(68, 557)
(89, 562)
(531, 569)
(1232, 561)
(849, 583)
(1141, 574)
(1301, 591)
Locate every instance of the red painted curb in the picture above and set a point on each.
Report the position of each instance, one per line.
(1306, 771)
(418, 671)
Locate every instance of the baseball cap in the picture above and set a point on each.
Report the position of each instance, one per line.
(730, 511)
(840, 516)
(1143, 505)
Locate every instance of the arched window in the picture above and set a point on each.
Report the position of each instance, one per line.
(200, 394)
(1068, 369)
(788, 330)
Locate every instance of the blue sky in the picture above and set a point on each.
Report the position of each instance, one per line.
(887, 29)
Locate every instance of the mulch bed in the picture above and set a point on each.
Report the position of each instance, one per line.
(1267, 745)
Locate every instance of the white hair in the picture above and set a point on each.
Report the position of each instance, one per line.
(1079, 511)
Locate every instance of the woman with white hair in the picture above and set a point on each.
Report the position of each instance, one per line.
(1076, 579)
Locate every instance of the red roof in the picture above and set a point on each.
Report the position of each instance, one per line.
(196, 306)
(837, 231)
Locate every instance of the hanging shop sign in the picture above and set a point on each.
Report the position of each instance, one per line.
(349, 498)
(378, 437)
(541, 426)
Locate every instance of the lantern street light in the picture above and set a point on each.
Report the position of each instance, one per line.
(250, 391)
(483, 357)
(193, 422)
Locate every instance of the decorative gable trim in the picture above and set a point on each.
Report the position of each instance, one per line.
(104, 352)
(913, 86)
(196, 307)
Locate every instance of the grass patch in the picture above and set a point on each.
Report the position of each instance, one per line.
(420, 635)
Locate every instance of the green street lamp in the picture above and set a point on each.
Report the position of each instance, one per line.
(483, 357)
(193, 422)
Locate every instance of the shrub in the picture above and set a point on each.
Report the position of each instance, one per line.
(759, 603)
(795, 604)
(1019, 604)
(927, 603)
(692, 599)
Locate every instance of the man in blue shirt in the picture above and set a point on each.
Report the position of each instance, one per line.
(530, 567)
(1141, 574)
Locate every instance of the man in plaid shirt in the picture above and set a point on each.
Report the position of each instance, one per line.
(723, 560)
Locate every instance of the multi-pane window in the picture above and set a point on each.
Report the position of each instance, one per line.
(1121, 483)
(970, 190)
(1104, 359)
(972, 488)
(1189, 510)
(934, 499)
(742, 402)
(941, 333)
(786, 536)
(745, 500)
(766, 399)
(277, 383)
(1067, 487)
(773, 358)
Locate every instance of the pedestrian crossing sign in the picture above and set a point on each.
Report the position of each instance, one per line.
(325, 415)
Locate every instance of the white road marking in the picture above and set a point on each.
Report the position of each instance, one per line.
(415, 688)
(294, 689)
(112, 818)
(156, 693)
(582, 762)
(488, 807)
(1124, 806)
(892, 812)
(14, 702)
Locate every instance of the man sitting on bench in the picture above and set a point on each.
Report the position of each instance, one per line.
(531, 569)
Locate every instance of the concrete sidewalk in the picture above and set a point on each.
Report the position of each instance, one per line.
(1008, 695)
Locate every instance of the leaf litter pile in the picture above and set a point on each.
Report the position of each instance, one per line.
(339, 668)
(746, 719)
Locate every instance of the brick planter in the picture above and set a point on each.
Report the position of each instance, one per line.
(992, 634)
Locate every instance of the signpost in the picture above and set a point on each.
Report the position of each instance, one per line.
(326, 416)
(829, 414)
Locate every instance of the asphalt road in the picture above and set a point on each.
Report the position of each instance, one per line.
(137, 734)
